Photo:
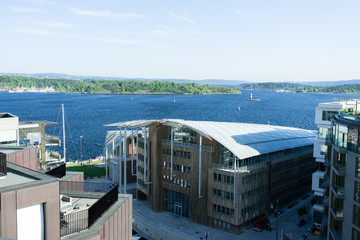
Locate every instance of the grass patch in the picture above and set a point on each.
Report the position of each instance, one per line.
(88, 169)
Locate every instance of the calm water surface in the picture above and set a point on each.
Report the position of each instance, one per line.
(87, 114)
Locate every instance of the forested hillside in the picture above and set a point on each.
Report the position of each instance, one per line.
(113, 87)
(348, 88)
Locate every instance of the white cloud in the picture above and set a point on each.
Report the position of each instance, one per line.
(54, 24)
(159, 32)
(105, 14)
(120, 41)
(183, 16)
(23, 10)
(238, 12)
(33, 31)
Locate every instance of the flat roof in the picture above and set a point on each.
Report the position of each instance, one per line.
(244, 140)
(7, 115)
(19, 177)
(13, 149)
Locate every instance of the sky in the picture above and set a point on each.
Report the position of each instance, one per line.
(250, 40)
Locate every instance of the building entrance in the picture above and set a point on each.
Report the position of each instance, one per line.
(178, 209)
(176, 203)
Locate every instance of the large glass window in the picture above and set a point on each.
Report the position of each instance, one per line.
(341, 136)
(328, 115)
(182, 135)
(226, 157)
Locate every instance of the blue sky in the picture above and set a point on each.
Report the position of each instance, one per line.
(310, 40)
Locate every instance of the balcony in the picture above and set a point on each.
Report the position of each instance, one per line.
(338, 212)
(83, 203)
(188, 145)
(52, 141)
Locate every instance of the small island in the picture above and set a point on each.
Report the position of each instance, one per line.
(27, 84)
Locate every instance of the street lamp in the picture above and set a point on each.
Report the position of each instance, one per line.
(81, 142)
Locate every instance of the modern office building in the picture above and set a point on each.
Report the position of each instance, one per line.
(220, 174)
(334, 183)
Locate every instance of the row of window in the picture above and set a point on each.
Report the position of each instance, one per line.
(222, 224)
(253, 192)
(294, 163)
(141, 157)
(223, 210)
(141, 145)
(177, 153)
(250, 209)
(223, 194)
(177, 167)
(180, 182)
(254, 177)
(224, 178)
(141, 170)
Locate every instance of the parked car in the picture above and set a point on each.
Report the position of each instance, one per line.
(262, 224)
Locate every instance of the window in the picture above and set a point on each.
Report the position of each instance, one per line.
(228, 179)
(357, 192)
(214, 207)
(215, 192)
(356, 216)
(355, 234)
(215, 176)
(328, 115)
(357, 168)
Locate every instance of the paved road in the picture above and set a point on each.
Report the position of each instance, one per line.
(182, 228)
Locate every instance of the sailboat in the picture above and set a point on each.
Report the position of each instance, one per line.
(63, 127)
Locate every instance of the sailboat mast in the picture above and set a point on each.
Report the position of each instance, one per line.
(63, 120)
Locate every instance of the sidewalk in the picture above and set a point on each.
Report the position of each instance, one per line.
(166, 225)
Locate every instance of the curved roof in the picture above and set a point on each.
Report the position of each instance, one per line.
(244, 140)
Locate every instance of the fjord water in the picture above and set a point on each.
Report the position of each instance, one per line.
(87, 114)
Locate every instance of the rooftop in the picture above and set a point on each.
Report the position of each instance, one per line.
(19, 177)
(243, 139)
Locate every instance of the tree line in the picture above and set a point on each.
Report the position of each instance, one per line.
(347, 88)
(113, 87)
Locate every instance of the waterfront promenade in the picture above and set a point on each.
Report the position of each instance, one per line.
(165, 225)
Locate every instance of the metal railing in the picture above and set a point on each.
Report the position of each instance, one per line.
(79, 220)
(74, 222)
(2, 165)
(188, 145)
(58, 171)
(103, 204)
(71, 187)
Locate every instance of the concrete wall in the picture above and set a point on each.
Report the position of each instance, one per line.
(119, 225)
(26, 158)
(47, 194)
